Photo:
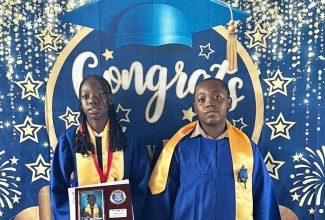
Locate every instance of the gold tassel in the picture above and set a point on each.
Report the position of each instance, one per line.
(231, 46)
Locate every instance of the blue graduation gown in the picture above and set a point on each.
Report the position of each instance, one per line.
(136, 169)
(201, 184)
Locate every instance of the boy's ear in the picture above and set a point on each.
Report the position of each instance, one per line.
(229, 103)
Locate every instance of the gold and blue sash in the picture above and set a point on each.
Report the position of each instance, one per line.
(95, 212)
(242, 157)
(86, 168)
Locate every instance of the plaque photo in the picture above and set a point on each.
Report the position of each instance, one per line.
(91, 205)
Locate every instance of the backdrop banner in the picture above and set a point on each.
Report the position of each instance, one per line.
(153, 62)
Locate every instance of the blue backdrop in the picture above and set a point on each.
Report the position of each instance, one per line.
(277, 91)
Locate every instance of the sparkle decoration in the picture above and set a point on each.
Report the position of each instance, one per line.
(206, 51)
(297, 157)
(29, 86)
(273, 166)
(40, 169)
(278, 83)
(258, 36)
(10, 193)
(70, 118)
(28, 130)
(188, 114)
(125, 111)
(48, 39)
(308, 186)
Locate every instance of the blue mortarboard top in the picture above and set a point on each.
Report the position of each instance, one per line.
(153, 22)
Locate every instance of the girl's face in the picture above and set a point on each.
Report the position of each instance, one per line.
(94, 101)
(211, 103)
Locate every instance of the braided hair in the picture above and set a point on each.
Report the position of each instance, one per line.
(117, 137)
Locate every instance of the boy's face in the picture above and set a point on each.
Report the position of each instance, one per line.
(211, 103)
(91, 200)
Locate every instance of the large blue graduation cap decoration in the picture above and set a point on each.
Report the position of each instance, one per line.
(153, 22)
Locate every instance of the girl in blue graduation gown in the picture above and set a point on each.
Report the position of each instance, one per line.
(99, 150)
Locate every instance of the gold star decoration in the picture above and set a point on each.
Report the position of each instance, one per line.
(40, 169)
(15, 199)
(257, 36)
(280, 127)
(48, 39)
(311, 211)
(272, 165)
(29, 86)
(203, 52)
(108, 54)
(188, 114)
(70, 118)
(295, 197)
(28, 130)
(14, 160)
(278, 83)
(127, 112)
(240, 122)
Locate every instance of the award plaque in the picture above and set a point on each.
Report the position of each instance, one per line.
(119, 203)
(101, 201)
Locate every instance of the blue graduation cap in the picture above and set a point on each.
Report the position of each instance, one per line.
(153, 22)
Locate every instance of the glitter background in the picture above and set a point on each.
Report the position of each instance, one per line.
(285, 41)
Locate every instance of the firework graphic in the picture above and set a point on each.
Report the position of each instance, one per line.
(309, 180)
(8, 186)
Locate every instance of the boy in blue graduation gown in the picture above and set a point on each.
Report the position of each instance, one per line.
(209, 169)
(99, 150)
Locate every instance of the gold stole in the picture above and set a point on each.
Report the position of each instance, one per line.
(95, 211)
(86, 170)
(241, 152)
